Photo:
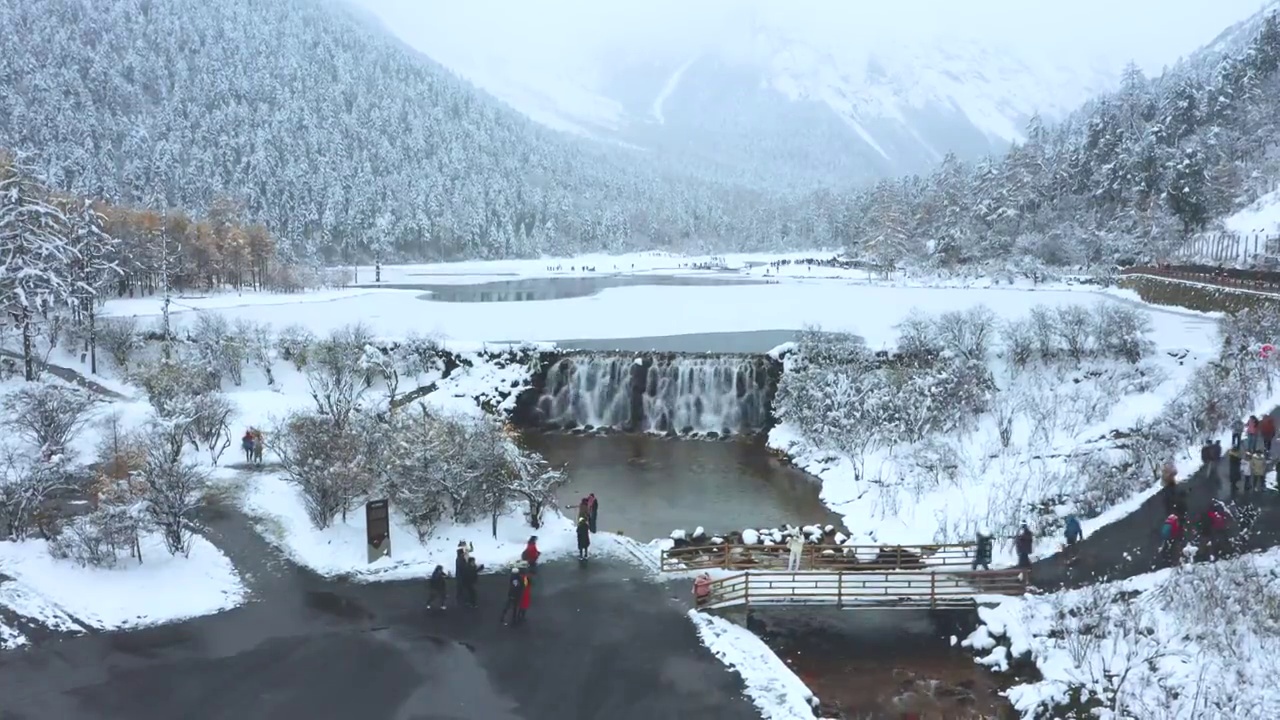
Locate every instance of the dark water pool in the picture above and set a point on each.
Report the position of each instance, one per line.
(886, 664)
(649, 486)
(554, 288)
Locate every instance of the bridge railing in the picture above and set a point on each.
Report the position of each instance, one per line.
(885, 590)
(829, 558)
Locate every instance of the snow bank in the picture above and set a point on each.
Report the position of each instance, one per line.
(941, 489)
(1201, 641)
(775, 691)
(277, 506)
(162, 589)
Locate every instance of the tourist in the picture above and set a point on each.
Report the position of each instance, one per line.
(1251, 433)
(526, 596)
(460, 572)
(1258, 471)
(259, 444)
(1235, 458)
(1072, 530)
(515, 590)
(593, 508)
(530, 554)
(584, 538)
(473, 577)
(436, 587)
(1237, 432)
(246, 443)
(796, 545)
(584, 509)
(1023, 544)
(1171, 536)
(701, 589)
(982, 554)
(1267, 430)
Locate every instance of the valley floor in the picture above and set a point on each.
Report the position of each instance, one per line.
(294, 577)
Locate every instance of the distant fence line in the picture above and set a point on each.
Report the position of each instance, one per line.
(1233, 248)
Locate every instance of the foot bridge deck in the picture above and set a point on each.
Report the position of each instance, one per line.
(893, 589)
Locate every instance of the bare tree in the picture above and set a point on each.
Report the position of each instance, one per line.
(260, 347)
(536, 482)
(209, 425)
(334, 373)
(175, 492)
(48, 415)
(1020, 339)
(25, 486)
(121, 338)
(295, 343)
(325, 461)
(1075, 330)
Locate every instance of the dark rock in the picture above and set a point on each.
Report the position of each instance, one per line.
(686, 430)
(713, 435)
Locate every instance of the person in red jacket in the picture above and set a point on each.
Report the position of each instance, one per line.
(530, 554)
(1171, 534)
(1267, 429)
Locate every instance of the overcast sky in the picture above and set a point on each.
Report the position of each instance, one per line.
(576, 33)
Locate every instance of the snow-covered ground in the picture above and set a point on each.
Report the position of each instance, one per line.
(341, 549)
(163, 588)
(1248, 233)
(774, 689)
(795, 297)
(1199, 642)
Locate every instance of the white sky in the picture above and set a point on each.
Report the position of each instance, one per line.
(574, 34)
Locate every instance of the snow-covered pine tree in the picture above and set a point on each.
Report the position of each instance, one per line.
(36, 257)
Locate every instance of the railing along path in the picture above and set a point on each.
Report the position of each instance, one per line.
(899, 590)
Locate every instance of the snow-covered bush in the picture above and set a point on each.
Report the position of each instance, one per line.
(218, 347)
(336, 377)
(294, 344)
(326, 460)
(174, 491)
(121, 338)
(25, 485)
(168, 381)
(48, 414)
(259, 346)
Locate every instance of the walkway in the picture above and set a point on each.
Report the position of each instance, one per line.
(309, 647)
(1130, 546)
(1264, 282)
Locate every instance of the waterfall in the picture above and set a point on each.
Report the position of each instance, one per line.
(672, 393)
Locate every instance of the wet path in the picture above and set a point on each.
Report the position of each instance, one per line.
(599, 643)
(1130, 546)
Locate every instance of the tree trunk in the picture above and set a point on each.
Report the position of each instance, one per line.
(28, 363)
(494, 518)
(93, 338)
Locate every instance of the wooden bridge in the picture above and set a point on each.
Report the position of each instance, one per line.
(897, 590)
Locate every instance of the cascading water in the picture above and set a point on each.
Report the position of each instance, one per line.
(716, 393)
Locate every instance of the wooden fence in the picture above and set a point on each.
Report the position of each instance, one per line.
(881, 590)
(863, 558)
(1245, 249)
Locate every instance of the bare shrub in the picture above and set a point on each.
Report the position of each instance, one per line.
(967, 333)
(48, 414)
(175, 492)
(1122, 331)
(919, 336)
(208, 424)
(334, 374)
(121, 338)
(25, 487)
(169, 381)
(1044, 327)
(295, 343)
(1074, 329)
(1019, 339)
(259, 347)
(325, 460)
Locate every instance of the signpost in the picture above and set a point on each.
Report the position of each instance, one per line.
(377, 520)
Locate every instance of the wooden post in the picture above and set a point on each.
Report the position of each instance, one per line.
(839, 591)
(933, 590)
(746, 589)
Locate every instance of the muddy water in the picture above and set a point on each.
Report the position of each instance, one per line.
(885, 664)
(649, 486)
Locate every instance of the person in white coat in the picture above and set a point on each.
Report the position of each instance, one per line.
(796, 545)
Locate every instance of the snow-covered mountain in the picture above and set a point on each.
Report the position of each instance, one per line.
(766, 102)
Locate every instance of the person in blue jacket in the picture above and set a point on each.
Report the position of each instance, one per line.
(1074, 534)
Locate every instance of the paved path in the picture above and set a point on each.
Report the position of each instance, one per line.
(69, 375)
(1130, 546)
(598, 644)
